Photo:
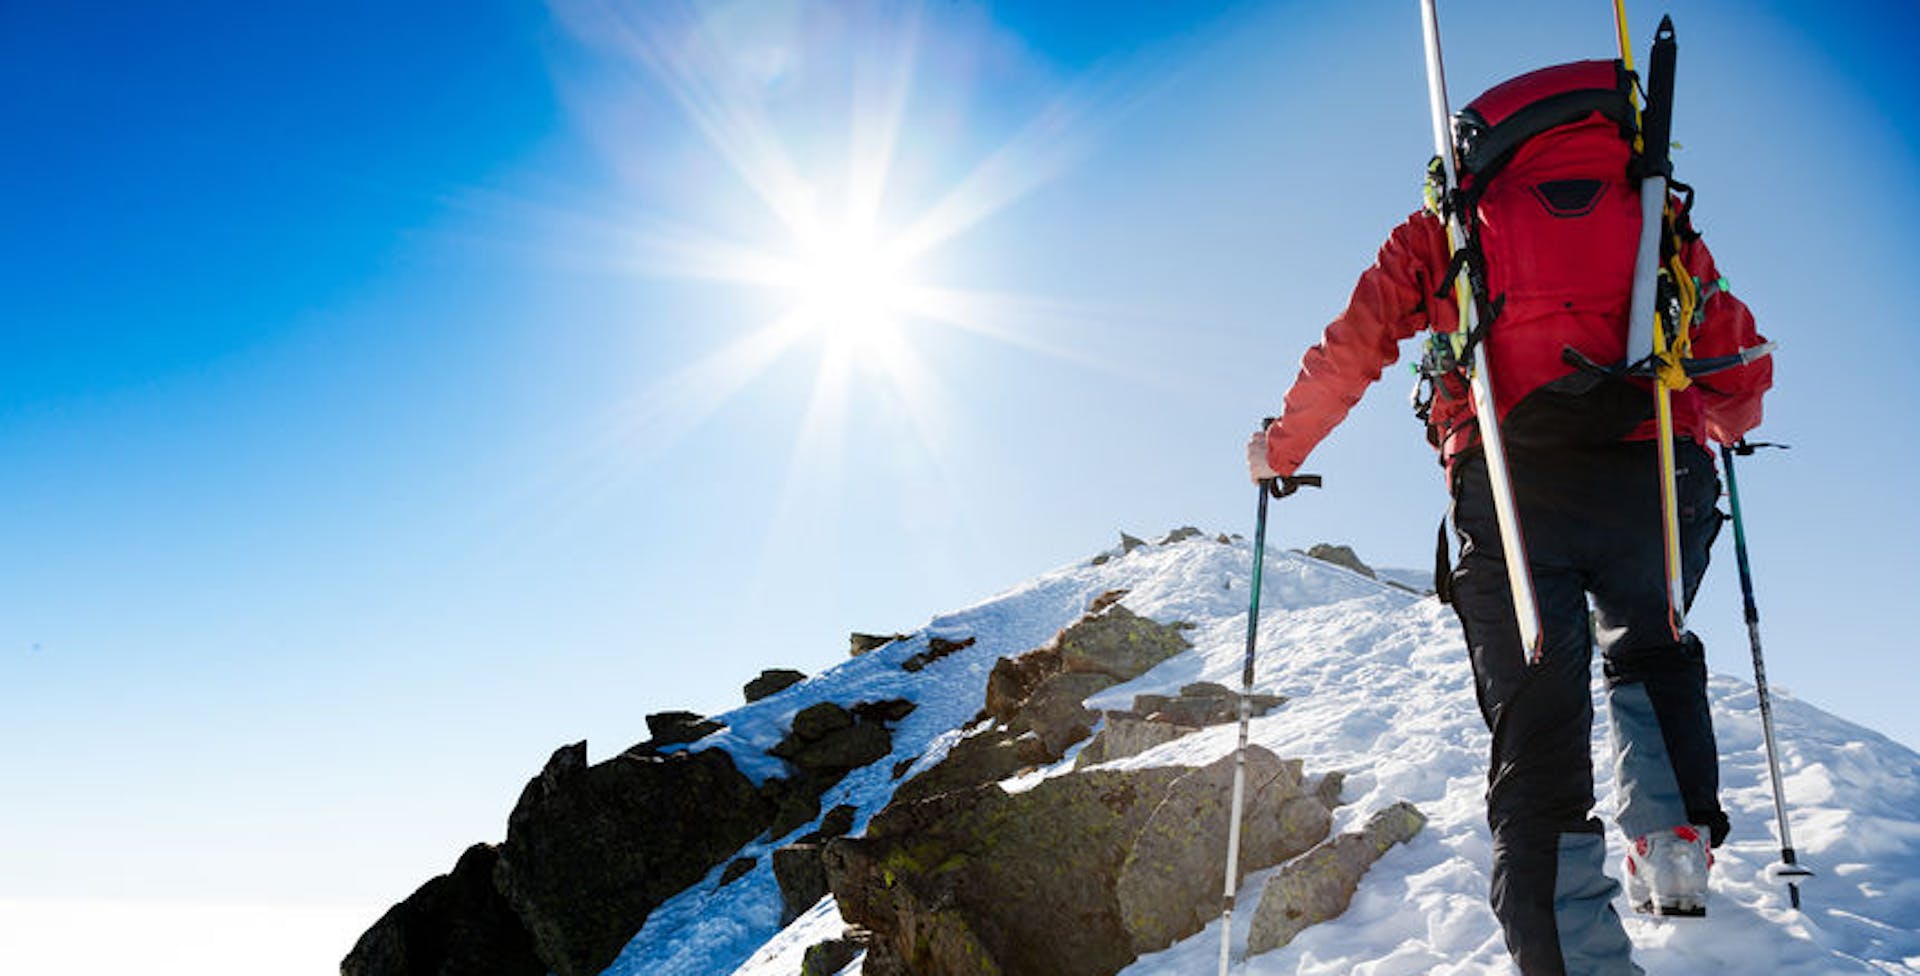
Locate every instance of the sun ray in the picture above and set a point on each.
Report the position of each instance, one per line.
(669, 38)
(642, 243)
(848, 273)
(883, 80)
(810, 488)
(1021, 321)
(671, 408)
(637, 430)
(1042, 151)
(923, 396)
(1050, 144)
(809, 507)
(657, 248)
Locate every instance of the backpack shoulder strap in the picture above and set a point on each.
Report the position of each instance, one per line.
(1500, 121)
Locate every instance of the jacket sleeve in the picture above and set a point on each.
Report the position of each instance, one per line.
(1730, 399)
(1389, 303)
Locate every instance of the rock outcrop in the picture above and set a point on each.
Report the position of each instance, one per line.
(802, 876)
(1036, 703)
(771, 682)
(1201, 704)
(829, 957)
(1319, 884)
(738, 868)
(592, 850)
(958, 876)
(1169, 885)
(824, 744)
(979, 880)
(1327, 552)
(837, 822)
(883, 710)
(676, 728)
(1076, 873)
(1127, 544)
(455, 923)
(1117, 643)
(984, 757)
(1124, 735)
(1158, 719)
(937, 648)
(975, 880)
(858, 643)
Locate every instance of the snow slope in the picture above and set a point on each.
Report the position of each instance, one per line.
(1379, 687)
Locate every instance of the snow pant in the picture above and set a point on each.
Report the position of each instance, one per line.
(1590, 517)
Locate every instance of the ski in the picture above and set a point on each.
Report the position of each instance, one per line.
(1646, 336)
(1526, 609)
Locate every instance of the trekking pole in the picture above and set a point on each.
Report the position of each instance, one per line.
(1279, 487)
(1791, 868)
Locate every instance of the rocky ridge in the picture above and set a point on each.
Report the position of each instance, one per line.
(951, 871)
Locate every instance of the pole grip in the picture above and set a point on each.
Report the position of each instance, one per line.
(1285, 484)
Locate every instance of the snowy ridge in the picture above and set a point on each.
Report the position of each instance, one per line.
(1378, 687)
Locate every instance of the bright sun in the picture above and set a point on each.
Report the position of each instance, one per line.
(851, 288)
(849, 241)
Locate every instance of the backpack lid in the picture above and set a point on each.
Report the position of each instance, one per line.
(1492, 126)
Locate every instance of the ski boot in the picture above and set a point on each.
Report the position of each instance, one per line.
(1667, 872)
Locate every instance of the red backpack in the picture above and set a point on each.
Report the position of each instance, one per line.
(1552, 210)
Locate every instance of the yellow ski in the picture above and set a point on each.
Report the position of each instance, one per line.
(1647, 335)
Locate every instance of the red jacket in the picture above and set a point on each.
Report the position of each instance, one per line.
(1393, 301)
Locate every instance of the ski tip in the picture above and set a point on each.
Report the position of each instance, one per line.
(1665, 33)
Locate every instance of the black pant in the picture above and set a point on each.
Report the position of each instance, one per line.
(1590, 517)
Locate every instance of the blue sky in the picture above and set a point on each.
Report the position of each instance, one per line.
(364, 439)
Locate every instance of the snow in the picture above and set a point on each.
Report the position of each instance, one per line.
(784, 952)
(1379, 687)
(1417, 580)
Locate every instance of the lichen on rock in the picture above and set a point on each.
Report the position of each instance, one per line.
(1320, 884)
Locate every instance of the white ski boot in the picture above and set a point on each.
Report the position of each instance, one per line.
(1667, 872)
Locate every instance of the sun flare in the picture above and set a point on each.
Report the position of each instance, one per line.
(851, 288)
(835, 210)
